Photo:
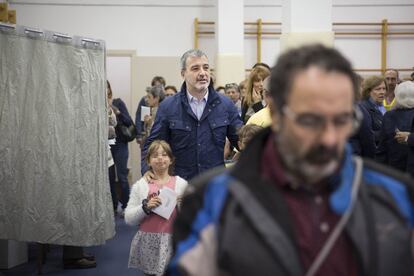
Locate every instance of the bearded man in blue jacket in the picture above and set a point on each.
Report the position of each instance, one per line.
(195, 121)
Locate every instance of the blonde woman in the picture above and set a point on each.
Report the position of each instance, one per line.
(253, 101)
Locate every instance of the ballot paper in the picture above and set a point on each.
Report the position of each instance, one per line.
(168, 201)
(145, 110)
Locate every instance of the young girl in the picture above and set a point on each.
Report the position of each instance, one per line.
(151, 247)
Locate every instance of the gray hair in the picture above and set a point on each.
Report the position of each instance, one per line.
(404, 95)
(157, 91)
(191, 53)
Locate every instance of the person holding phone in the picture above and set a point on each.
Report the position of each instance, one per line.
(253, 101)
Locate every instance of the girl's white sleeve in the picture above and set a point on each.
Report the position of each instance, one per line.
(133, 212)
(180, 185)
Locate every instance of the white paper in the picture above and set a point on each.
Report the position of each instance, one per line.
(168, 202)
(145, 110)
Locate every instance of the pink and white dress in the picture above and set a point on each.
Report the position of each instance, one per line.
(151, 247)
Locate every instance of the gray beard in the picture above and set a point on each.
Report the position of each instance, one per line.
(300, 172)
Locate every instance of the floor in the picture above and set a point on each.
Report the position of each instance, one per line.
(111, 258)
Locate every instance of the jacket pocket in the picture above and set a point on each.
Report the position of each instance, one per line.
(219, 129)
(180, 134)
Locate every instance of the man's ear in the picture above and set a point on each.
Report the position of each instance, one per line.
(182, 73)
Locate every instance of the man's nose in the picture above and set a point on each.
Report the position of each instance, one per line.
(203, 71)
(329, 135)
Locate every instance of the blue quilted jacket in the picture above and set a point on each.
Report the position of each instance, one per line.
(198, 145)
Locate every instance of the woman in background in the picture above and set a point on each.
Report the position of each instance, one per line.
(170, 90)
(111, 141)
(120, 151)
(253, 101)
(157, 80)
(155, 96)
(363, 140)
(373, 94)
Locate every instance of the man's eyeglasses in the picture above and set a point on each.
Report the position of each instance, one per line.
(315, 122)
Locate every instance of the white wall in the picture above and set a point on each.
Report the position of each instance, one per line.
(150, 29)
(366, 52)
(165, 27)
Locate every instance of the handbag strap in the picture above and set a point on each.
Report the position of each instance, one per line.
(327, 247)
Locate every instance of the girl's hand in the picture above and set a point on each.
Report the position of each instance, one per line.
(256, 96)
(154, 202)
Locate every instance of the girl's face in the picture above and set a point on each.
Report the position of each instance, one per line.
(159, 160)
(258, 85)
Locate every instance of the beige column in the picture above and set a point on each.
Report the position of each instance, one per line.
(229, 31)
(305, 22)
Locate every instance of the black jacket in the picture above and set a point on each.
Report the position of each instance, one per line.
(122, 118)
(363, 141)
(390, 152)
(244, 107)
(375, 117)
(224, 239)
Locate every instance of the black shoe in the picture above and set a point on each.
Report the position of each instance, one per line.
(89, 257)
(82, 263)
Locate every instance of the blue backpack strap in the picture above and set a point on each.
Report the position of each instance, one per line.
(205, 221)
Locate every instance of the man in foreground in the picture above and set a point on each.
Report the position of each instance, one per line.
(297, 202)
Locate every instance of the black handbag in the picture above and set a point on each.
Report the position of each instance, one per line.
(129, 133)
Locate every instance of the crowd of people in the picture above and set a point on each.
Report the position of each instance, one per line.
(306, 191)
(387, 110)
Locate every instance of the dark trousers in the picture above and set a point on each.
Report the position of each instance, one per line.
(120, 155)
(72, 252)
(112, 183)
